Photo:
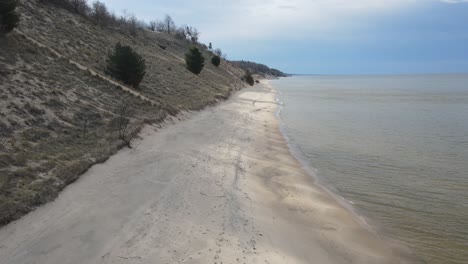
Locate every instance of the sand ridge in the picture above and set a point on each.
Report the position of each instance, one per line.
(220, 187)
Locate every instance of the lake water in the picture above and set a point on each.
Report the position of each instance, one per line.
(395, 147)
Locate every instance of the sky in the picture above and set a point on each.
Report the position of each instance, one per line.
(326, 36)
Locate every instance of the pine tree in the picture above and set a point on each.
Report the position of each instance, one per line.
(9, 18)
(215, 60)
(126, 65)
(194, 60)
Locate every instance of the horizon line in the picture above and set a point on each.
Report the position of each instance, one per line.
(374, 74)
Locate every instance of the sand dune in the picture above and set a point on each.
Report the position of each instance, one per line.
(220, 187)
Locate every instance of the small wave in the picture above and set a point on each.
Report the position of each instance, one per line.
(348, 201)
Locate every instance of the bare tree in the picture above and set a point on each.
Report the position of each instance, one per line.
(141, 24)
(99, 13)
(152, 25)
(160, 26)
(126, 133)
(180, 33)
(123, 19)
(132, 25)
(169, 24)
(188, 32)
(195, 35)
(218, 52)
(192, 34)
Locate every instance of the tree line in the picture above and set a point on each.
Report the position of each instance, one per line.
(123, 62)
(257, 68)
(98, 12)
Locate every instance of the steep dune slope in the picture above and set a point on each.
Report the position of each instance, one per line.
(58, 118)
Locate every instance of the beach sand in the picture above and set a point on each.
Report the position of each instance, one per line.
(219, 187)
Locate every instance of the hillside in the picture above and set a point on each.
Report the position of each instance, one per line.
(60, 114)
(259, 69)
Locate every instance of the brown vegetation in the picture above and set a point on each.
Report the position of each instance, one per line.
(59, 114)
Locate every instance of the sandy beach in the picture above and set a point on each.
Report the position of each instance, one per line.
(219, 187)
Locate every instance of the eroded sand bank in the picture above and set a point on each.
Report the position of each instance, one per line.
(220, 187)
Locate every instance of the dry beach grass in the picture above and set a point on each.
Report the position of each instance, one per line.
(58, 111)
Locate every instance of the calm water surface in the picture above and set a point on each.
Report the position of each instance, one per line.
(396, 147)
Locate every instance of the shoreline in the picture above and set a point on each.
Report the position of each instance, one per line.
(222, 186)
(299, 156)
(403, 252)
(400, 252)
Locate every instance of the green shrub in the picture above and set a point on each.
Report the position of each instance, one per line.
(126, 65)
(9, 18)
(248, 78)
(194, 60)
(216, 60)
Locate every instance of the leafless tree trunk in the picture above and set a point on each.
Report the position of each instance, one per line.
(152, 25)
(169, 24)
